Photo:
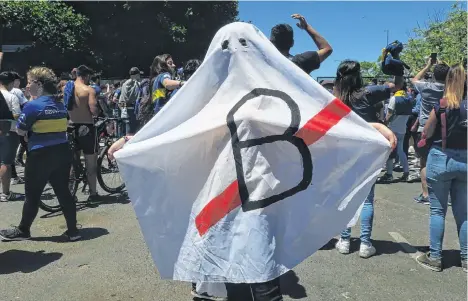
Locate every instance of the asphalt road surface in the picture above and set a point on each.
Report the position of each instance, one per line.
(112, 261)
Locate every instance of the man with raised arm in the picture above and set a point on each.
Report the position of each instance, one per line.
(282, 37)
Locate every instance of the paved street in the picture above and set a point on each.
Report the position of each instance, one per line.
(113, 263)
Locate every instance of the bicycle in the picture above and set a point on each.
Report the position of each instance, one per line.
(78, 172)
(103, 160)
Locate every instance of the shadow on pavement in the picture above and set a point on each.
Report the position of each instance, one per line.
(13, 261)
(289, 286)
(104, 200)
(86, 234)
(121, 198)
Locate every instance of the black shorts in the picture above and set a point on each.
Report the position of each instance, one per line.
(86, 138)
(422, 152)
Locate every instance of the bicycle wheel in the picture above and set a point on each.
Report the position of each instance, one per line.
(108, 175)
(49, 201)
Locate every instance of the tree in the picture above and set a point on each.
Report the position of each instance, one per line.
(445, 35)
(183, 29)
(370, 69)
(47, 22)
(57, 34)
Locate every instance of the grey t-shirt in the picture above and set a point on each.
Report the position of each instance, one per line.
(431, 93)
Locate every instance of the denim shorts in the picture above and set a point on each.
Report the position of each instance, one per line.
(8, 146)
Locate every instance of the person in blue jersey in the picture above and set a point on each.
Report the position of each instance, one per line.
(162, 83)
(43, 122)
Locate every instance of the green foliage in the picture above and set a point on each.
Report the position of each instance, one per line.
(127, 34)
(124, 33)
(48, 22)
(370, 69)
(446, 35)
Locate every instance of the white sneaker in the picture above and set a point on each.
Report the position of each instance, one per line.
(342, 246)
(366, 251)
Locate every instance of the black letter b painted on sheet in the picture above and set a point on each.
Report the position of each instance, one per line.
(288, 136)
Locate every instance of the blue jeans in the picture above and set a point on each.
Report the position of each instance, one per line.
(367, 217)
(401, 156)
(446, 173)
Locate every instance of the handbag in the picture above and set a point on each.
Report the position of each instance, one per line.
(427, 141)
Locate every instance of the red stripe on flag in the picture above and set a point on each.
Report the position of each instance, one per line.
(321, 123)
(218, 208)
(229, 199)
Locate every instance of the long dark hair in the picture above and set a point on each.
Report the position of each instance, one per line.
(159, 65)
(348, 81)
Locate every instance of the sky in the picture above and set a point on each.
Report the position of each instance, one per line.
(355, 30)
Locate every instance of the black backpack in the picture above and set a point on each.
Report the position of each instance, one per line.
(146, 106)
(5, 116)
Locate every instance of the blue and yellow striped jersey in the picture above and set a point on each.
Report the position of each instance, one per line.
(46, 120)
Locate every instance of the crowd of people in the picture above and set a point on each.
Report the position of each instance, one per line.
(427, 112)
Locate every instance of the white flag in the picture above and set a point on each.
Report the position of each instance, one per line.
(250, 168)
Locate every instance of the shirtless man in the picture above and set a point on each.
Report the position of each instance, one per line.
(81, 117)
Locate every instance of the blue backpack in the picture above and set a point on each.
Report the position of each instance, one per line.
(69, 95)
(404, 105)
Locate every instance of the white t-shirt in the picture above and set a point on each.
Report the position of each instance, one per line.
(18, 93)
(13, 103)
(398, 122)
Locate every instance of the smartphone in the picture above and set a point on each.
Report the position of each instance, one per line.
(434, 58)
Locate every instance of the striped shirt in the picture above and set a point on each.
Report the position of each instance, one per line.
(46, 120)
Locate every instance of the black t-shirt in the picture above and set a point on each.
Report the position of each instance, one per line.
(364, 101)
(456, 127)
(307, 61)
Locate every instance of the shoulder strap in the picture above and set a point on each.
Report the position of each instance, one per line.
(443, 122)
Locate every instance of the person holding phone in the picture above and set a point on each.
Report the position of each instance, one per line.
(431, 93)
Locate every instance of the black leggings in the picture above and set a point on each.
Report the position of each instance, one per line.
(48, 164)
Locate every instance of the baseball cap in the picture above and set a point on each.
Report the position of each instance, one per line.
(135, 70)
(6, 77)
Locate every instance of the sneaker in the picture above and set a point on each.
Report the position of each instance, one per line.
(93, 200)
(385, 179)
(432, 264)
(14, 234)
(366, 251)
(398, 168)
(422, 200)
(205, 296)
(414, 177)
(342, 246)
(72, 235)
(9, 197)
(404, 177)
(464, 266)
(17, 181)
